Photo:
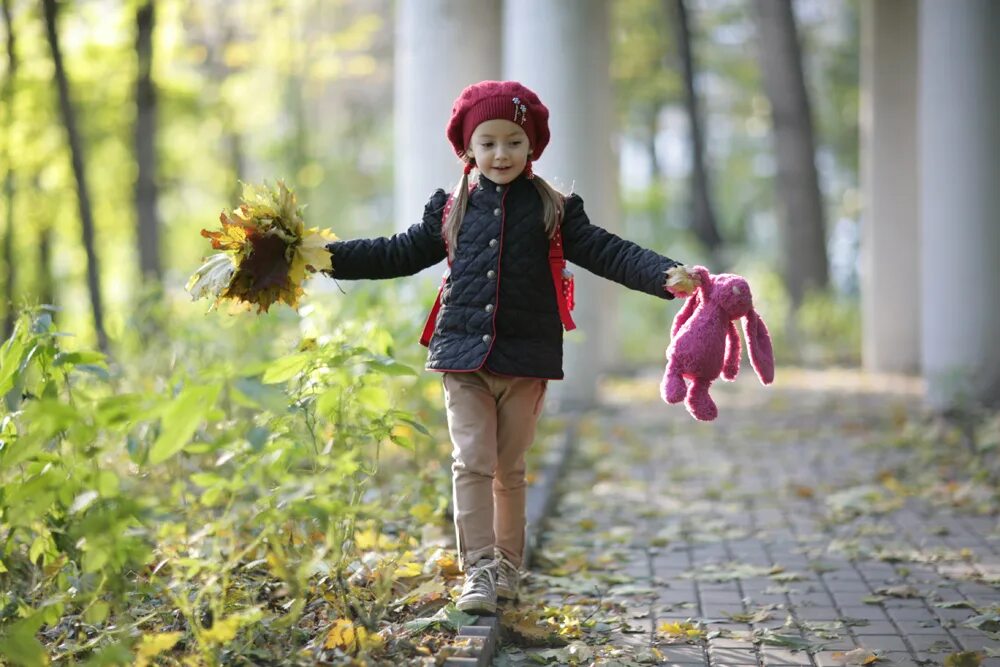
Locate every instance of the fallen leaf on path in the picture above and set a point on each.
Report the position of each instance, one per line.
(859, 656)
(759, 616)
(900, 591)
(524, 629)
(964, 659)
(984, 622)
(794, 642)
(955, 604)
(681, 630)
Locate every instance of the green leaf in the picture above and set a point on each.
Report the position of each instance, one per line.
(253, 393)
(389, 366)
(207, 479)
(450, 616)
(19, 644)
(108, 484)
(375, 399)
(97, 613)
(402, 441)
(457, 618)
(94, 369)
(39, 547)
(95, 557)
(115, 655)
(10, 362)
(88, 357)
(124, 409)
(416, 425)
(328, 401)
(181, 420)
(285, 368)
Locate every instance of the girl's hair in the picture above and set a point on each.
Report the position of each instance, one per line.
(553, 205)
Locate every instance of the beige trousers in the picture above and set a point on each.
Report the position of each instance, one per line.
(491, 419)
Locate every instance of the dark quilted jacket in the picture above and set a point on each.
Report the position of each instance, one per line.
(499, 304)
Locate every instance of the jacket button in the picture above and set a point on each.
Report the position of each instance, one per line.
(493, 243)
(497, 212)
(489, 308)
(491, 274)
(487, 338)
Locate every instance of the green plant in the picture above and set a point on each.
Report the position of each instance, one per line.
(202, 512)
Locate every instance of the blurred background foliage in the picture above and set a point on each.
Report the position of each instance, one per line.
(302, 90)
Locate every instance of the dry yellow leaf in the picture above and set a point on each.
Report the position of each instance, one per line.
(679, 281)
(223, 631)
(449, 565)
(681, 630)
(342, 635)
(964, 659)
(408, 570)
(153, 645)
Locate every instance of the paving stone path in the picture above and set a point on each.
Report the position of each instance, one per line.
(803, 527)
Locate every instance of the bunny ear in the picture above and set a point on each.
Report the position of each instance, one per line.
(706, 279)
(759, 347)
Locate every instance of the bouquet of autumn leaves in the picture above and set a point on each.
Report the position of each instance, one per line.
(266, 251)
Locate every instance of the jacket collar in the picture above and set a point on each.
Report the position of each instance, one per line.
(487, 184)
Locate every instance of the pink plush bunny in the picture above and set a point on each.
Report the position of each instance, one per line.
(704, 342)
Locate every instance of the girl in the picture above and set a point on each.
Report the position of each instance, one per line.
(497, 338)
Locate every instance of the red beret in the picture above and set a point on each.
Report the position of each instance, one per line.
(488, 100)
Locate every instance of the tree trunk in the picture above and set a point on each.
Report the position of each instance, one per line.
(800, 203)
(703, 222)
(214, 41)
(43, 277)
(652, 117)
(8, 181)
(76, 155)
(148, 223)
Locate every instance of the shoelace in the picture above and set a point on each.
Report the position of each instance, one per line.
(506, 570)
(481, 580)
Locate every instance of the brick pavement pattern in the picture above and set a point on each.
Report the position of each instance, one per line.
(783, 519)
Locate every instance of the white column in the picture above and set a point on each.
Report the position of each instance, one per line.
(441, 47)
(890, 268)
(560, 49)
(959, 134)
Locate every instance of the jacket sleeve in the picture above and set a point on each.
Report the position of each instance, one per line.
(610, 256)
(402, 254)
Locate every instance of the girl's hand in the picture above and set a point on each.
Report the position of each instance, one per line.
(681, 281)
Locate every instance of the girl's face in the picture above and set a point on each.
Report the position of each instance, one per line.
(501, 150)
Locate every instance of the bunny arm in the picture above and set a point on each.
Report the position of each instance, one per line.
(731, 365)
(673, 389)
(685, 313)
(759, 347)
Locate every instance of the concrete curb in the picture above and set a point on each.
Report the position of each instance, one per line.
(541, 501)
(542, 494)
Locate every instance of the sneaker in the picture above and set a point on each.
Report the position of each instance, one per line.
(479, 593)
(508, 579)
